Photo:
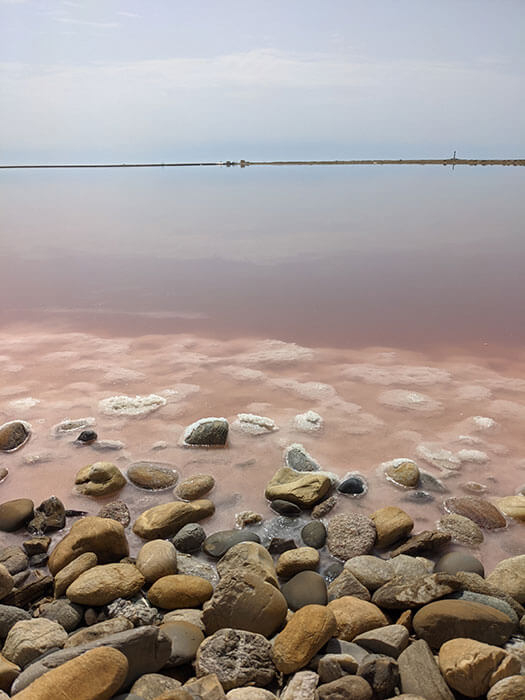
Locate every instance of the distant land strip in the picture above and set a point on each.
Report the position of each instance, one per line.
(245, 163)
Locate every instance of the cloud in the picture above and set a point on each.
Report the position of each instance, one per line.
(87, 23)
(133, 15)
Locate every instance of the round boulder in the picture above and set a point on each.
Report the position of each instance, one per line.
(453, 562)
(15, 514)
(194, 487)
(14, 435)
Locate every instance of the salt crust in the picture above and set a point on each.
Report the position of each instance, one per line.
(473, 392)
(254, 425)
(69, 425)
(307, 390)
(409, 400)
(442, 458)
(396, 374)
(181, 392)
(131, 406)
(483, 423)
(24, 404)
(277, 352)
(242, 374)
(308, 422)
(122, 374)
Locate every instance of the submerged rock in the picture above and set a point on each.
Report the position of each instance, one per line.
(353, 485)
(152, 476)
(14, 435)
(479, 510)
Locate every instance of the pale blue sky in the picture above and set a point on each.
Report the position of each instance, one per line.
(172, 79)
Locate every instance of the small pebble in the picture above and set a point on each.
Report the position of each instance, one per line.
(285, 508)
(86, 437)
(354, 485)
(314, 534)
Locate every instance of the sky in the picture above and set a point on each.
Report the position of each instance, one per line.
(167, 80)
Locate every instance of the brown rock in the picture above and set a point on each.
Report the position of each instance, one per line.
(103, 584)
(390, 640)
(477, 509)
(513, 506)
(13, 435)
(295, 560)
(351, 687)
(157, 558)
(305, 489)
(251, 557)
(36, 545)
(252, 694)
(349, 535)
(28, 639)
(180, 591)
(205, 688)
(324, 507)
(15, 514)
(392, 524)
(475, 583)
(8, 672)
(509, 576)
(305, 633)
(426, 541)
(400, 593)
(6, 582)
(511, 688)
(461, 529)
(167, 519)
(346, 584)
(420, 674)
(354, 616)
(71, 571)
(405, 473)
(152, 476)
(194, 487)
(151, 685)
(99, 479)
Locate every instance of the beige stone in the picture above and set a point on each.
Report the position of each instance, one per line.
(306, 632)
(194, 487)
(157, 558)
(293, 561)
(167, 519)
(305, 489)
(6, 582)
(180, 591)
(462, 530)
(99, 479)
(392, 524)
(103, 584)
(71, 571)
(251, 557)
(511, 688)
(354, 616)
(509, 576)
(8, 672)
(98, 631)
(251, 694)
(28, 639)
(404, 473)
(513, 506)
(205, 688)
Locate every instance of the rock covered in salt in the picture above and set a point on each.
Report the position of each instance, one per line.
(308, 422)
(131, 405)
(254, 425)
(69, 425)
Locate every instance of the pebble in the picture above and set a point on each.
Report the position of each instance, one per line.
(452, 562)
(116, 510)
(461, 529)
(29, 639)
(483, 513)
(350, 534)
(189, 538)
(87, 437)
(305, 489)
(180, 591)
(166, 520)
(152, 476)
(353, 687)
(156, 558)
(313, 534)
(323, 508)
(194, 487)
(15, 514)
(354, 616)
(285, 508)
(295, 560)
(403, 472)
(103, 584)
(346, 584)
(296, 457)
(14, 435)
(305, 588)
(392, 524)
(220, 542)
(390, 640)
(207, 432)
(353, 485)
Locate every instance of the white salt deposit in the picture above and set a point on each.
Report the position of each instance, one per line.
(409, 400)
(396, 374)
(306, 390)
(277, 352)
(69, 425)
(473, 392)
(38, 458)
(159, 445)
(308, 422)
(242, 374)
(24, 404)
(253, 424)
(102, 445)
(131, 405)
(483, 422)
(180, 392)
(438, 456)
(474, 456)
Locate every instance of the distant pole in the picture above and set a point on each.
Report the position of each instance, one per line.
(454, 159)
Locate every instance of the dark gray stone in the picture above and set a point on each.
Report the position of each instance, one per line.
(420, 675)
(64, 612)
(189, 538)
(354, 485)
(278, 545)
(86, 437)
(285, 508)
(9, 616)
(220, 542)
(14, 559)
(208, 431)
(382, 673)
(296, 457)
(314, 534)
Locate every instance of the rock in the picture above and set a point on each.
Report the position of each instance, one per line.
(305, 489)
(102, 536)
(513, 506)
(98, 631)
(371, 571)
(354, 616)
(68, 615)
(254, 425)
(245, 602)
(15, 514)
(285, 508)
(247, 517)
(98, 673)
(339, 646)
(301, 686)
(180, 591)
(469, 666)
(6, 582)
(14, 559)
(140, 613)
(353, 485)
(479, 510)
(334, 666)
(462, 530)
(305, 588)
(295, 560)
(346, 584)
(392, 524)
(403, 472)
(324, 507)
(50, 515)
(509, 576)
(426, 541)
(101, 585)
(87, 437)
(99, 479)
(511, 688)
(381, 673)
(411, 567)
(475, 584)
(36, 545)
(237, 657)
(349, 535)
(220, 542)
(185, 640)
(13, 435)
(348, 687)
(195, 567)
(313, 534)
(28, 639)
(390, 640)
(207, 432)
(278, 545)
(453, 562)
(442, 620)
(156, 558)
(151, 685)
(9, 616)
(116, 510)
(420, 674)
(72, 571)
(205, 688)
(8, 673)
(251, 557)
(400, 593)
(4, 471)
(305, 633)
(418, 496)
(254, 694)
(191, 615)
(167, 519)
(189, 538)
(152, 476)
(296, 457)
(194, 487)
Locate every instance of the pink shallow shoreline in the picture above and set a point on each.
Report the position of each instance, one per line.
(377, 404)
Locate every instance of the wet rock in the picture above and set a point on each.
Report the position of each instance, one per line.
(509, 576)
(400, 593)
(392, 524)
(462, 530)
(50, 515)
(116, 510)
(185, 640)
(452, 562)
(324, 507)
(305, 489)
(295, 560)
(346, 584)
(429, 482)
(191, 566)
(371, 571)
(98, 631)
(479, 510)
(237, 657)
(189, 538)
(511, 688)
(87, 437)
(354, 616)
(4, 471)
(403, 472)
(381, 673)
(420, 674)
(69, 425)
(418, 497)
(353, 687)
(313, 534)
(305, 588)
(285, 508)
(390, 640)
(151, 685)
(14, 435)
(251, 557)
(72, 571)
(101, 585)
(296, 457)
(353, 485)
(513, 506)
(167, 519)
(207, 432)
(278, 545)
(426, 541)
(217, 544)
(156, 558)
(180, 591)
(194, 487)
(350, 534)
(152, 476)
(28, 639)
(15, 514)
(68, 615)
(99, 479)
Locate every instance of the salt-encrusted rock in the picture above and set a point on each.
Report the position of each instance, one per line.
(483, 513)
(189, 538)
(349, 535)
(346, 584)
(354, 616)
(295, 560)
(156, 558)
(305, 633)
(400, 593)
(180, 591)
(513, 506)
(452, 562)
(194, 487)
(71, 571)
(509, 576)
(392, 524)
(103, 584)
(305, 489)
(69, 425)
(296, 457)
(371, 571)
(301, 686)
(381, 673)
(217, 544)
(152, 476)
(102, 536)
(185, 640)
(151, 685)
(471, 667)
(511, 688)
(442, 620)
(98, 673)
(99, 479)
(461, 529)
(324, 507)
(131, 405)
(15, 514)
(207, 432)
(67, 614)
(6, 582)
(237, 658)
(305, 588)
(420, 674)
(14, 435)
(245, 602)
(313, 534)
(403, 472)
(28, 639)
(353, 687)
(390, 640)
(166, 520)
(308, 422)
(116, 510)
(9, 616)
(251, 557)
(208, 687)
(247, 517)
(426, 541)
(98, 631)
(254, 425)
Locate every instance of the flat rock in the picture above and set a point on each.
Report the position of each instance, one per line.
(420, 675)
(346, 584)
(15, 514)
(207, 432)
(180, 591)
(116, 510)
(400, 593)
(426, 541)
(217, 544)
(185, 640)
(99, 479)
(166, 520)
(509, 576)
(305, 489)
(305, 588)
(295, 560)
(251, 557)
(194, 487)
(14, 559)
(156, 558)
(483, 513)
(392, 524)
(354, 616)
(14, 435)
(28, 639)
(105, 583)
(390, 640)
(152, 476)
(461, 529)
(371, 571)
(349, 535)
(98, 631)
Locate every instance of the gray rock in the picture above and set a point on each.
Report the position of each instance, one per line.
(453, 562)
(64, 612)
(382, 673)
(350, 534)
(116, 510)
(220, 542)
(237, 657)
(420, 674)
(491, 601)
(301, 686)
(334, 666)
(400, 593)
(14, 559)
(189, 538)
(412, 567)
(207, 432)
(296, 457)
(9, 616)
(305, 588)
(140, 613)
(285, 508)
(340, 646)
(461, 529)
(371, 571)
(429, 482)
(314, 534)
(389, 641)
(477, 584)
(351, 687)
(98, 631)
(185, 640)
(150, 685)
(347, 584)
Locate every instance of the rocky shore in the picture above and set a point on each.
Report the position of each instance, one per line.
(296, 603)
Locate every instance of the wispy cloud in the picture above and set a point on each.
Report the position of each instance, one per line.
(133, 15)
(13, 2)
(87, 23)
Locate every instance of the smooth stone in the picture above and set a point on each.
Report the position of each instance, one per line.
(401, 593)
(191, 615)
(255, 694)
(14, 435)
(14, 559)
(67, 614)
(511, 688)
(87, 437)
(296, 457)
(411, 567)
(420, 674)
(442, 620)
(251, 557)
(185, 640)
(307, 631)
(404, 473)
(152, 476)
(285, 508)
(426, 541)
(101, 536)
(189, 538)
(217, 544)
(72, 571)
(390, 640)
(237, 657)
(461, 529)
(333, 666)
(354, 616)
(305, 588)
(99, 479)
(324, 507)
(167, 519)
(156, 558)
(509, 576)
(98, 631)
(381, 673)
(476, 584)
(29, 639)
(15, 514)
(349, 535)
(116, 510)
(351, 687)
(6, 582)
(513, 506)
(346, 584)
(194, 487)
(371, 571)
(305, 489)
(9, 616)
(103, 584)
(483, 513)
(278, 545)
(8, 673)
(313, 534)
(452, 562)
(353, 485)
(491, 601)
(207, 432)
(151, 685)
(295, 560)
(180, 591)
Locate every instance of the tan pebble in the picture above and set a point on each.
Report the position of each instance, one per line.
(392, 524)
(293, 561)
(307, 631)
(355, 616)
(194, 487)
(180, 591)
